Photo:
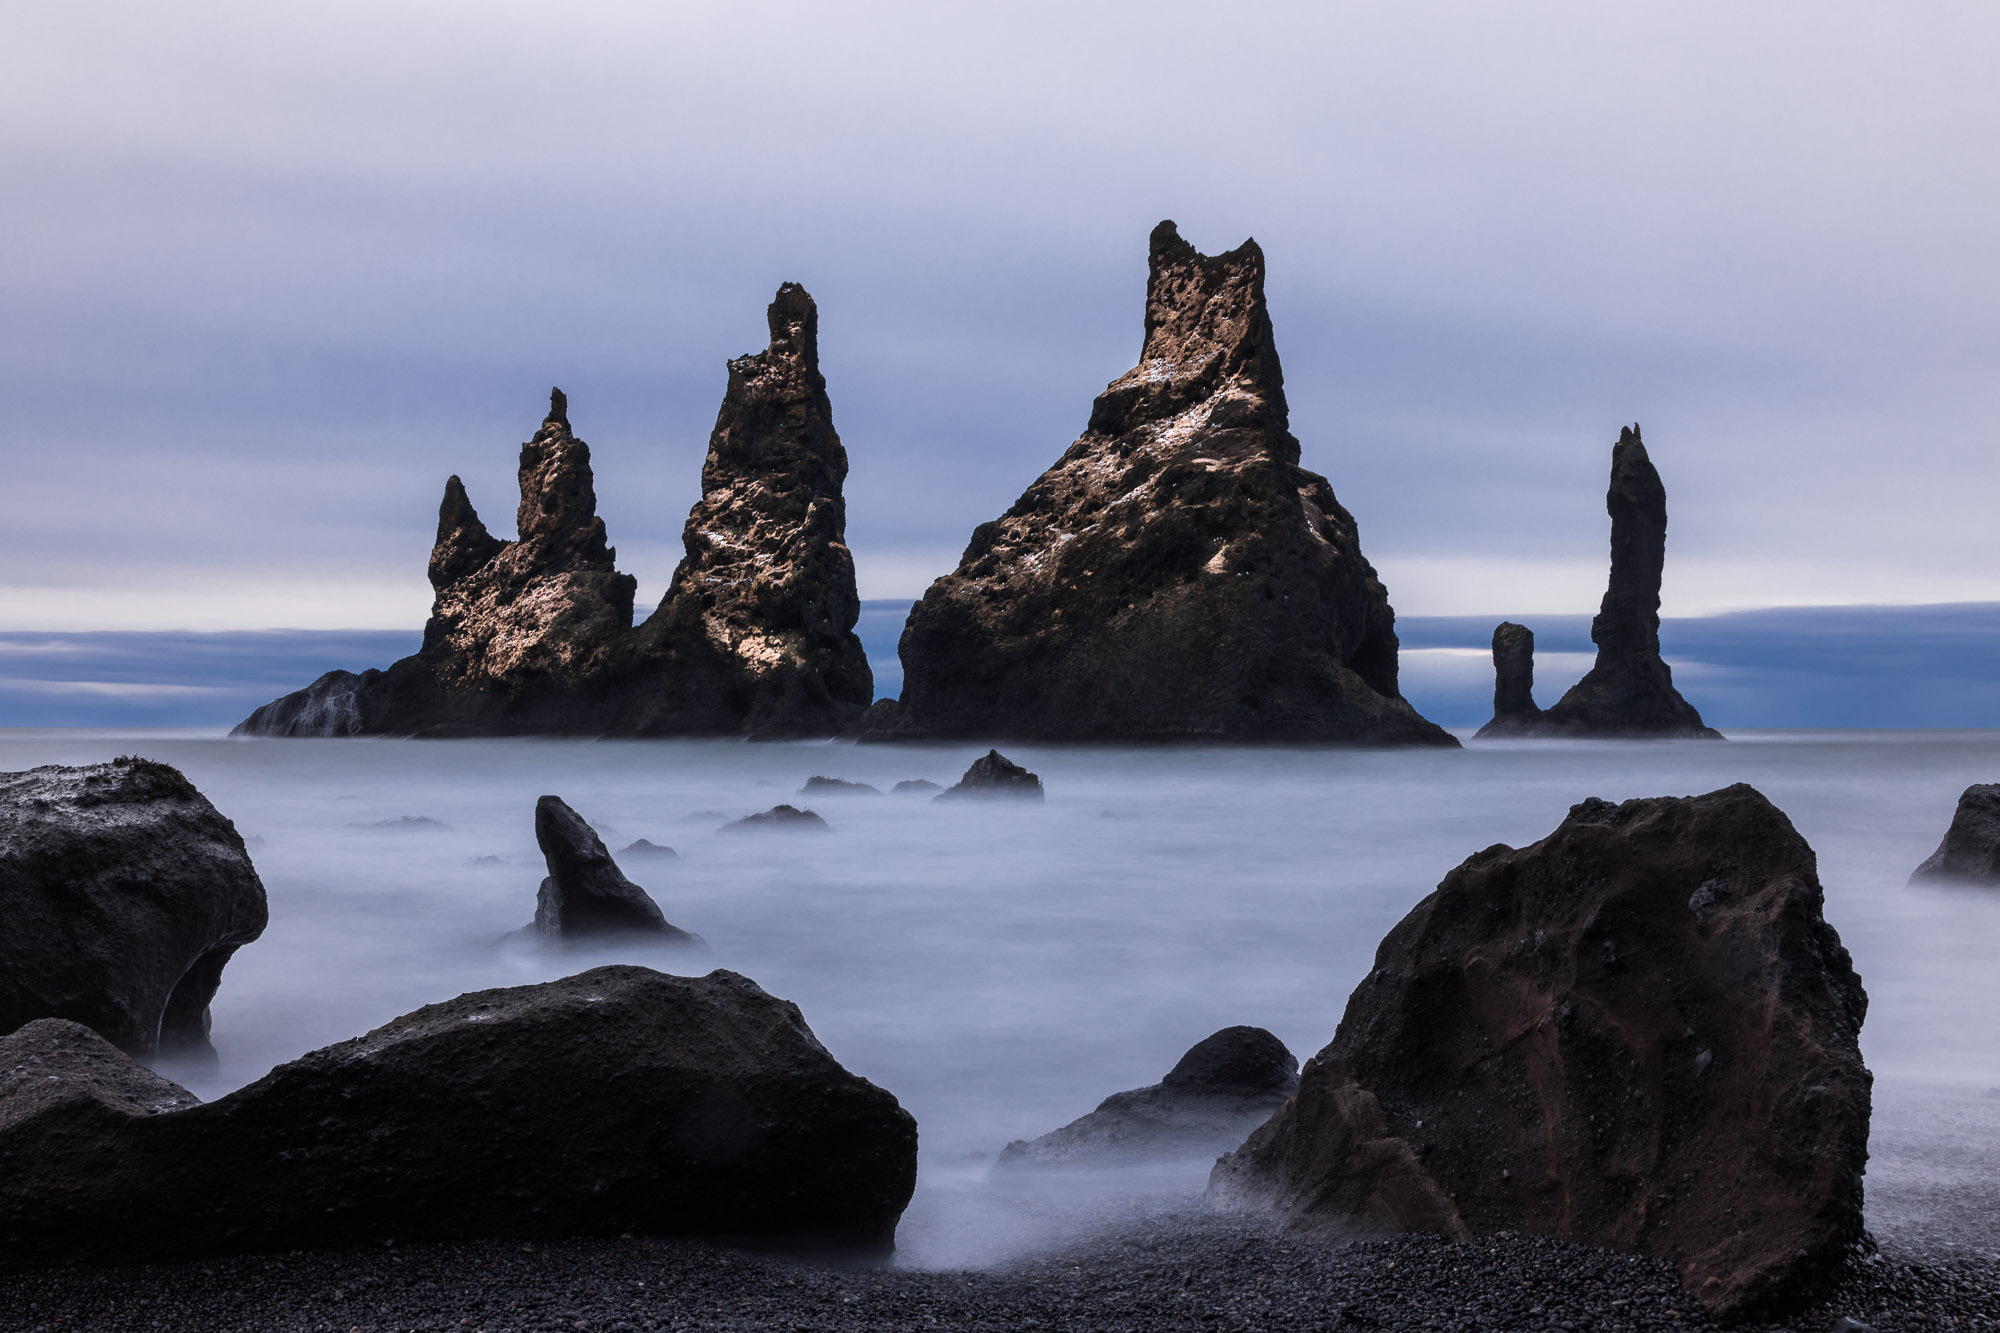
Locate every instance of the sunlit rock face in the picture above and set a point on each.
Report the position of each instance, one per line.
(755, 636)
(1176, 573)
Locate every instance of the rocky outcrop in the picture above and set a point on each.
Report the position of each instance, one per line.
(755, 636)
(1225, 1086)
(1514, 710)
(1639, 1032)
(585, 895)
(616, 1100)
(914, 786)
(821, 786)
(645, 847)
(1970, 852)
(1176, 574)
(778, 819)
(1630, 690)
(123, 894)
(994, 774)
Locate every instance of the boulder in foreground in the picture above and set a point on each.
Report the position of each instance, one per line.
(994, 774)
(616, 1100)
(123, 893)
(1639, 1032)
(1225, 1086)
(1970, 852)
(585, 894)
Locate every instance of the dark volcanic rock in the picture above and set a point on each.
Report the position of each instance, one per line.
(616, 1100)
(817, 786)
(1639, 1032)
(1630, 691)
(1176, 573)
(585, 894)
(1514, 710)
(1970, 852)
(645, 848)
(914, 787)
(123, 894)
(756, 633)
(1224, 1087)
(778, 817)
(994, 774)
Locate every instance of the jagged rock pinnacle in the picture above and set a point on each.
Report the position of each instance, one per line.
(558, 409)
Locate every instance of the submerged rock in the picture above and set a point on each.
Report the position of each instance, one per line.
(778, 818)
(817, 786)
(1970, 852)
(1630, 690)
(1225, 1086)
(616, 1100)
(1514, 710)
(123, 894)
(1639, 1032)
(1176, 573)
(585, 894)
(994, 774)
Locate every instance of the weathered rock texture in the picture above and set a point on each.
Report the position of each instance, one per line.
(994, 774)
(1970, 852)
(585, 895)
(1630, 691)
(755, 636)
(1514, 710)
(616, 1100)
(123, 893)
(1226, 1085)
(1176, 574)
(1639, 1032)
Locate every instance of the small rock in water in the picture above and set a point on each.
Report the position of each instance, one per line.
(914, 786)
(652, 849)
(818, 786)
(409, 824)
(487, 861)
(994, 774)
(586, 894)
(1970, 852)
(780, 817)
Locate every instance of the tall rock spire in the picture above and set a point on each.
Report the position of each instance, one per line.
(1514, 710)
(1176, 573)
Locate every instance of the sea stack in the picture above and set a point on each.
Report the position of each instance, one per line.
(1176, 574)
(756, 633)
(1514, 710)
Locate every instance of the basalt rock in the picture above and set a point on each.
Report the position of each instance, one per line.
(1639, 1033)
(616, 1100)
(1514, 710)
(1630, 690)
(1970, 852)
(585, 894)
(123, 893)
(1176, 574)
(994, 774)
(758, 626)
(754, 637)
(1226, 1085)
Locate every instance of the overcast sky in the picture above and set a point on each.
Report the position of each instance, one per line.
(269, 273)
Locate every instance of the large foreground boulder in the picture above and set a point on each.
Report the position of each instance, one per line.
(1639, 1032)
(619, 1099)
(1225, 1086)
(123, 893)
(1970, 852)
(585, 895)
(1176, 574)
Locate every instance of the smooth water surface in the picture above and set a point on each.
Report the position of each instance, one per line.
(1003, 967)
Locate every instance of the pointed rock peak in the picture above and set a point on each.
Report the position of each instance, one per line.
(794, 321)
(558, 409)
(557, 517)
(463, 543)
(1197, 302)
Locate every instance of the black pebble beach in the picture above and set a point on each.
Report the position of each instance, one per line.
(1188, 1271)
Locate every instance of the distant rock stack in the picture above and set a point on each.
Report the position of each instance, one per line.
(1514, 710)
(1176, 573)
(1970, 852)
(756, 633)
(1630, 690)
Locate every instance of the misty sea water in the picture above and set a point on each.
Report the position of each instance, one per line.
(1002, 967)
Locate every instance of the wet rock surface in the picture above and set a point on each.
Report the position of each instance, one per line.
(754, 637)
(1630, 690)
(1180, 1271)
(1226, 1085)
(616, 1100)
(994, 775)
(1639, 1032)
(1970, 852)
(1514, 710)
(123, 894)
(585, 895)
(1176, 574)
